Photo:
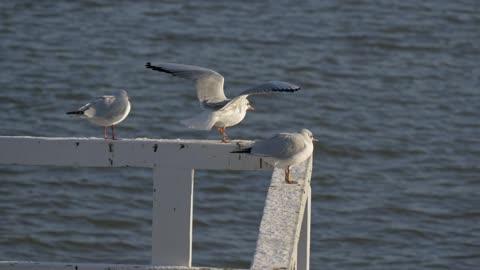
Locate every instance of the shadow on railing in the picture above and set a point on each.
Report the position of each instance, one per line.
(284, 237)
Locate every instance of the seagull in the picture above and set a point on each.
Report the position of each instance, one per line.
(106, 111)
(218, 112)
(284, 150)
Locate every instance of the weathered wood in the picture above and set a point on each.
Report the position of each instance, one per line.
(17, 265)
(282, 219)
(172, 216)
(96, 152)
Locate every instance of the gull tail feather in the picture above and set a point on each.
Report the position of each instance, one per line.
(76, 112)
(203, 121)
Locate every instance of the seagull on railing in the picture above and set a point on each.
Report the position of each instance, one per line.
(106, 111)
(218, 111)
(284, 150)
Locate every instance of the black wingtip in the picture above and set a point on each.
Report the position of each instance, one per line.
(157, 68)
(295, 89)
(287, 87)
(246, 150)
(75, 112)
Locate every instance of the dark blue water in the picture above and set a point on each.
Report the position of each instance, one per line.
(391, 89)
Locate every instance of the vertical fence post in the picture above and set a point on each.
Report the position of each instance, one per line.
(303, 251)
(172, 216)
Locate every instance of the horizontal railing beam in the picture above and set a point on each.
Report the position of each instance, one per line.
(17, 265)
(149, 153)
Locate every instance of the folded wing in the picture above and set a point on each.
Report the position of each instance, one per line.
(282, 145)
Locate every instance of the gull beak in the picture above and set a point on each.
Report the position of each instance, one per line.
(315, 140)
(249, 107)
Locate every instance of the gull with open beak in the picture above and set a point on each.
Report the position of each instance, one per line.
(218, 111)
(106, 111)
(284, 150)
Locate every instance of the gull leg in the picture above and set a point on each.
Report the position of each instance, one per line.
(224, 135)
(105, 133)
(287, 176)
(113, 132)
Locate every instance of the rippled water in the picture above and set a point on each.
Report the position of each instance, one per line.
(391, 89)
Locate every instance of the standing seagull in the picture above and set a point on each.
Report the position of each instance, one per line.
(106, 111)
(218, 111)
(284, 150)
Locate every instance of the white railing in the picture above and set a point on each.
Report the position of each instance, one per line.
(284, 237)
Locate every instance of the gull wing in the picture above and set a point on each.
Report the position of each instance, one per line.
(262, 89)
(98, 101)
(282, 145)
(209, 83)
(270, 87)
(98, 106)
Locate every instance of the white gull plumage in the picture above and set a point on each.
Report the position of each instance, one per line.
(284, 150)
(106, 111)
(218, 111)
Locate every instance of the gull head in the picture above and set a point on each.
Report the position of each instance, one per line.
(122, 93)
(308, 135)
(243, 104)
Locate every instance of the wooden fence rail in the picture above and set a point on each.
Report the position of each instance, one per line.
(284, 237)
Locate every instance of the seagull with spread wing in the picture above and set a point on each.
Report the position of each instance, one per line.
(218, 111)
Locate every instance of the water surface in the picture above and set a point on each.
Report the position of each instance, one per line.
(390, 89)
